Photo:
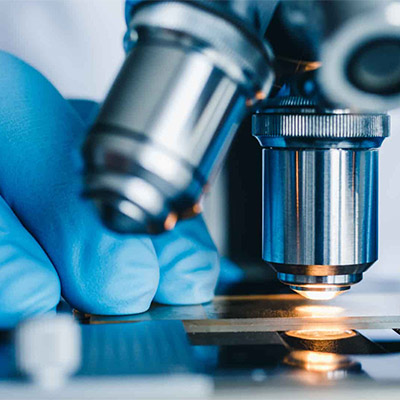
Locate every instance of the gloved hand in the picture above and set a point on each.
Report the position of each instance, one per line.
(52, 239)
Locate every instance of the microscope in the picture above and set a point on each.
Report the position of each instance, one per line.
(318, 77)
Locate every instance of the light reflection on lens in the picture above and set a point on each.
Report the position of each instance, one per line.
(318, 294)
(321, 334)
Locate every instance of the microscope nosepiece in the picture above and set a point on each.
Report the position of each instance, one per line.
(320, 194)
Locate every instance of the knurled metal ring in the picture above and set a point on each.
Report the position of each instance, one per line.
(321, 126)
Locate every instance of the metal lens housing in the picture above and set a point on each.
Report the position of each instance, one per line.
(171, 114)
(320, 194)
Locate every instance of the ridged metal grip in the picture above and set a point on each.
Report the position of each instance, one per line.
(330, 126)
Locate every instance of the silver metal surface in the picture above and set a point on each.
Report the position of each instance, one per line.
(230, 49)
(320, 206)
(312, 284)
(170, 117)
(320, 193)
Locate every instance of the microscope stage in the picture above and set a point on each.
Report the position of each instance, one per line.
(234, 347)
(270, 313)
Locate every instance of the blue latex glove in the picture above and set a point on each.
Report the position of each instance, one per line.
(52, 239)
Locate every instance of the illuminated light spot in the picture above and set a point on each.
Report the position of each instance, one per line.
(312, 65)
(197, 209)
(316, 361)
(319, 311)
(321, 334)
(260, 95)
(319, 294)
(170, 221)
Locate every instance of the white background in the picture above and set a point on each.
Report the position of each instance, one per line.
(77, 45)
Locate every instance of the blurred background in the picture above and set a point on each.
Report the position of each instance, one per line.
(77, 45)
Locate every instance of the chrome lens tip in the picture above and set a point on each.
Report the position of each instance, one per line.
(129, 204)
(319, 287)
(320, 293)
(125, 217)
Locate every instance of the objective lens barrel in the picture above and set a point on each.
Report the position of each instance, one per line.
(320, 194)
(320, 213)
(171, 114)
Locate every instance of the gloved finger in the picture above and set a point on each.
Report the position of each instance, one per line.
(189, 262)
(40, 175)
(230, 273)
(28, 282)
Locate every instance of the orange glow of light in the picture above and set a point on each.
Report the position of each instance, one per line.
(197, 209)
(319, 311)
(312, 65)
(319, 291)
(260, 95)
(321, 334)
(170, 221)
(316, 361)
(323, 295)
